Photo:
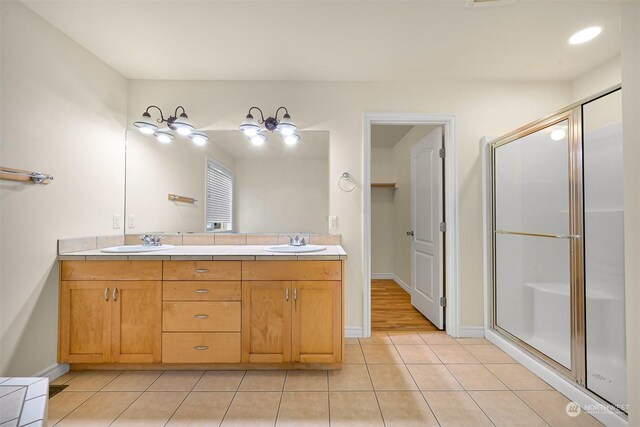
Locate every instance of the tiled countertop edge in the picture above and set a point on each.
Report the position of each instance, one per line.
(34, 405)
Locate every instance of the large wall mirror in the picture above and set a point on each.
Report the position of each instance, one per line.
(236, 186)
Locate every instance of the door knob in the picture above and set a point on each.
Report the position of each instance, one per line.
(409, 233)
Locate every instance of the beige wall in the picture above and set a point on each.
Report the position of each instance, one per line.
(64, 112)
(382, 212)
(281, 195)
(155, 170)
(593, 81)
(631, 136)
(481, 108)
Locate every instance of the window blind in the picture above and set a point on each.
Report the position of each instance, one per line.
(219, 194)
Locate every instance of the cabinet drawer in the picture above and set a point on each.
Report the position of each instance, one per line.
(291, 270)
(201, 270)
(201, 347)
(194, 290)
(111, 270)
(201, 316)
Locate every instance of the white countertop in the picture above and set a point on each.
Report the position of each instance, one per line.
(211, 252)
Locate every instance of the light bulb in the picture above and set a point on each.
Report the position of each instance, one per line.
(585, 35)
(258, 139)
(163, 137)
(199, 137)
(250, 132)
(558, 134)
(184, 130)
(291, 139)
(146, 130)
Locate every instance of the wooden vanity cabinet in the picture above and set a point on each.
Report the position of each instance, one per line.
(200, 312)
(292, 320)
(107, 315)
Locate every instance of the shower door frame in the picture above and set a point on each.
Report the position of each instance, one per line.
(572, 113)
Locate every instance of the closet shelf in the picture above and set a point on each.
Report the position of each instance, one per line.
(391, 185)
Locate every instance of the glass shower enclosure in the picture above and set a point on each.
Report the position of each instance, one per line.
(557, 255)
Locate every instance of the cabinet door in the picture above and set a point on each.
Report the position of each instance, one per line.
(317, 322)
(137, 321)
(84, 322)
(266, 321)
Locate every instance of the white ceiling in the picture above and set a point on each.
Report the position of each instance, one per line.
(338, 40)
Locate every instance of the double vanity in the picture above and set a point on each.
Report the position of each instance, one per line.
(202, 306)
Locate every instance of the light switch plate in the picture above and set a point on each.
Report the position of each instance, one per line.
(333, 223)
(131, 221)
(117, 221)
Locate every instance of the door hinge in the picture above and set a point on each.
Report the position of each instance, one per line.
(442, 153)
(443, 301)
(443, 227)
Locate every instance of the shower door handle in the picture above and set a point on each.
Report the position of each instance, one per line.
(550, 236)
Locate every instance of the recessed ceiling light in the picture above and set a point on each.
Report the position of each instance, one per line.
(585, 35)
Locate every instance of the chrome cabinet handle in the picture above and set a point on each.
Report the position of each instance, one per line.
(201, 316)
(286, 294)
(106, 294)
(201, 291)
(115, 294)
(201, 270)
(201, 347)
(295, 294)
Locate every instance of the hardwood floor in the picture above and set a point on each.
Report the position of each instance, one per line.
(391, 309)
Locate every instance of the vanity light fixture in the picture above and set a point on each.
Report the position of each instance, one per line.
(585, 35)
(259, 138)
(257, 135)
(178, 123)
(198, 137)
(291, 139)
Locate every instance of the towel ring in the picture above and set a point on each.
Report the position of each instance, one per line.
(346, 176)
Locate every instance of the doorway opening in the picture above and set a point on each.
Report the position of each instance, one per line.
(410, 229)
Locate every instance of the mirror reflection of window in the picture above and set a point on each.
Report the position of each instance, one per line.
(219, 202)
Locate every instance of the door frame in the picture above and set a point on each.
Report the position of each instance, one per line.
(452, 319)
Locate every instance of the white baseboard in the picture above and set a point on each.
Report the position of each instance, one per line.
(403, 285)
(382, 276)
(471, 332)
(54, 371)
(570, 390)
(353, 332)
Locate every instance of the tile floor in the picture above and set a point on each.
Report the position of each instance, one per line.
(390, 379)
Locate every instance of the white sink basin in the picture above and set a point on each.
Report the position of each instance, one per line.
(135, 248)
(295, 249)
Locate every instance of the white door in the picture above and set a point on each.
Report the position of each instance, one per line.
(426, 237)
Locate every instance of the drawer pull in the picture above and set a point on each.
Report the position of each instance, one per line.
(201, 347)
(201, 291)
(201, 270)
(201, 316)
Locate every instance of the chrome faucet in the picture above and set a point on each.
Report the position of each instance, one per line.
(297, 241)
(151, 240)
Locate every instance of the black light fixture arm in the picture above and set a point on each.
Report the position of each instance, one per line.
(261, 121)
(146, 113)
(286, 112)
(170, 119)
